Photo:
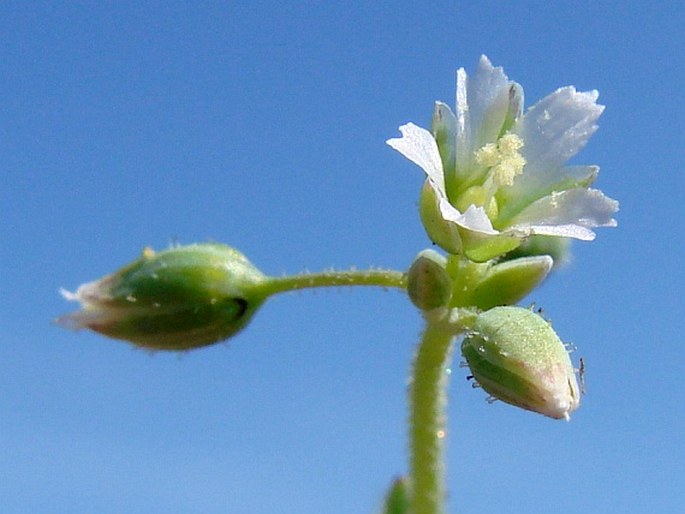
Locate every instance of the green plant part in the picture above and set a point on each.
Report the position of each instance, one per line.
(182, 298)
(428, 284)
(515, 355)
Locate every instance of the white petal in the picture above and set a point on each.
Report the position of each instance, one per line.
(418, 145)
(569, 177)
(571, 213)
(553, 131)
(90, 294)
(488, 96)
(582, 176)
(482, 106)
(464, 146)
(68, 295)
(85, 319)
(474, 218)
(515, 100)
(570, 231)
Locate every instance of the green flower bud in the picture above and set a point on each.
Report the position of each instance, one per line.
(515, 355)
(509, 282)
(428, 284)
(397, 499)
(182, 298)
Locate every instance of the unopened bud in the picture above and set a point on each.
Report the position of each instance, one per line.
(182, 298)
(515, 355)
(428, 284)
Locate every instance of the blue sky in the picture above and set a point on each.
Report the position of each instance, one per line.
(125, 125)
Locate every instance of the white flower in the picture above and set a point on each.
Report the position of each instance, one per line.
(496, 176)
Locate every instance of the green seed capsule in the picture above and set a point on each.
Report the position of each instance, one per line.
(178, 299)
(515, 355)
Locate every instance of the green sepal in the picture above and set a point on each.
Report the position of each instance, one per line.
(509, 282)
(444, 130)
(442, 232)
(483, 247)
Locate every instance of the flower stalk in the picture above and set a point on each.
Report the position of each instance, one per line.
(373, 277)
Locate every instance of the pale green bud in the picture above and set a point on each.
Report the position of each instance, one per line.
(397, 499)
(428, 284)
(515, 356)
(178, 299)
(508, 282)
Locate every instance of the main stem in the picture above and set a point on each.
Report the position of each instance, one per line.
(428, 400)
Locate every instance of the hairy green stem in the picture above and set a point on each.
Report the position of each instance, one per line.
(428, 401)
(373, 277)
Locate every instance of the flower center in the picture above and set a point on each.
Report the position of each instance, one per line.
(503, 159)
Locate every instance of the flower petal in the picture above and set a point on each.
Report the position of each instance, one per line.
(418, 145)
(571, 213)
(569, 177)
(480, 242)
(474, 218)
(553, 131)
(515, 110)
(482, 106)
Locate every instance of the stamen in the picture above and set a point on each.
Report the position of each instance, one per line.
(503, 159)
(488, 155)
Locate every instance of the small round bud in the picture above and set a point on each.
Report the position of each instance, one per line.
(516, 356)
(182, 298)
(428, 284)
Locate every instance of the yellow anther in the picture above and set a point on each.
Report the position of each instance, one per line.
(510, 144)
(503, 159)
(488, 156)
